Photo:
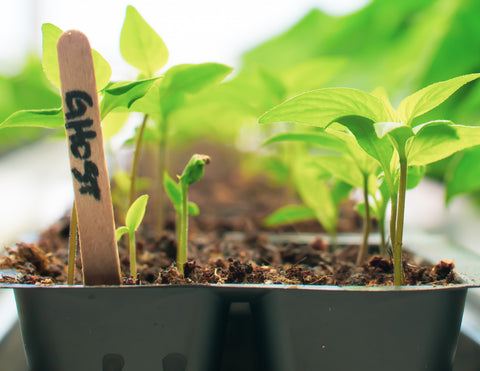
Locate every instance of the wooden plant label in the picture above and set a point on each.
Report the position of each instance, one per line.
(96, 227)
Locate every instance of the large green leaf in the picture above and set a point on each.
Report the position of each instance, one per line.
(321, 107)
(439, 139)
(288, 215)
(47, 118)
(430, 97)
(321, 139)
(123, 95)
(136, 213)
(51, 34)
(140, 45)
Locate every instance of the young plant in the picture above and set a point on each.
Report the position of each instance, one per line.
(345, 160)
(387, 135)
(174, 193)
(133, 220)
(192, 173)
(320, 193)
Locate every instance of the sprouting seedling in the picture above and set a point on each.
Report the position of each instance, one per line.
(346, 161)
(156, 97)
(174, 193)
(320, 193)
(386, 134)
(133, 220)
(191, 174)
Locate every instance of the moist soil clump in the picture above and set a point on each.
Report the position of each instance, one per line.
(222, 259)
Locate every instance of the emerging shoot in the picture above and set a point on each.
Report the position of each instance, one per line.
(191, 174)
(133, 220)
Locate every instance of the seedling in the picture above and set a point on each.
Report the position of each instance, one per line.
(174, 193)
(192, 173)
(387, 135)
(133, 220)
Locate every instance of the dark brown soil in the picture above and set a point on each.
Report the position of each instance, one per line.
(218, 259)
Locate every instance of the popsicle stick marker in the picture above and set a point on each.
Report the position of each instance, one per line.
(96, 228)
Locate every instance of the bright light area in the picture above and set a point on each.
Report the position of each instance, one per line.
(194, 31)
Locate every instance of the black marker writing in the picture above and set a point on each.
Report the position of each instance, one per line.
(88, 179)
(77, 102)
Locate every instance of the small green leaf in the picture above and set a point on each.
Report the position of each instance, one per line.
(120, 232)
(288, 215)
(316, 194)
(342, 168)
(136, 213)
(140, 45)
(193, 172)
(123, 95)
(193, 208)
(439, 139)
(48, 118)
(168, 94)
(173, 190)
(398, 133)
(414, 175)
(430, 97)
(51, 34)
(323, 106)
(463, 173)
(381, 149)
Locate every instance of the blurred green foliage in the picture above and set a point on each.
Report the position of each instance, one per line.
(27, 90)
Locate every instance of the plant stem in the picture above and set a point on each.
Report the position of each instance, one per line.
(162, 164)
(397, 247)
(72, 243)
(132, 248)
(178, 223)
(362, 252)
(136, 156)
(182, 240)
(393, 218)
(381, 229)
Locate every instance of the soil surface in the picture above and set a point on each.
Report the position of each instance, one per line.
(229, 201)
(224, 258)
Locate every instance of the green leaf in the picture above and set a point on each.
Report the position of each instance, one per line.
(430, 97)
(414, 175)
(123, 95)
(463, 173)
(288, 215)
(168, 94)
(120, 231)
(140, 45)
(174, 194)
(323, 106)
(439, 139)
(342, 168)
(194, 170)
(48, 118)
(316, 194)
(51, 34)
(173, 190)
(321, 139)
(380, 149)
(136, 213)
